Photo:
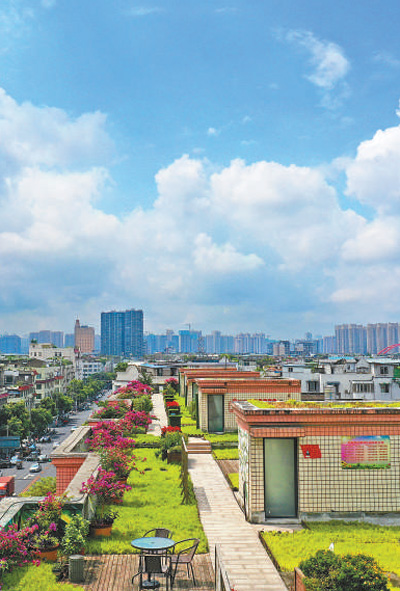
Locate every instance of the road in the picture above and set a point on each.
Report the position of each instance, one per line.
(23, 478)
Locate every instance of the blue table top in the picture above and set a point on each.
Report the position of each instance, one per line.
(152, 543)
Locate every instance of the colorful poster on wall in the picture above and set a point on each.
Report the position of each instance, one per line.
(371, 452)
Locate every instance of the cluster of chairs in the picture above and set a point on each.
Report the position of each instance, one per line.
(166, 564)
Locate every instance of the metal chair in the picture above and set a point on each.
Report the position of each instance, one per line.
(159, 532)
(154, 564)
(184, 556)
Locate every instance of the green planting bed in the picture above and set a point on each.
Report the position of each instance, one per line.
(289, 549)
(154, 501)
(226, 454)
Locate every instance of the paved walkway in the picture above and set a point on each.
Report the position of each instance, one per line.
(160, 415)
(248, 565)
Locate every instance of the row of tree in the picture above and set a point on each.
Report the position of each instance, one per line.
(17, 419)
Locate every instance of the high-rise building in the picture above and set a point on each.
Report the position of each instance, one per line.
(10, 344)
(122, 333)
(84, 337)
(70, 340)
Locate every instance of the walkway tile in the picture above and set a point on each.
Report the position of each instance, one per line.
(160, 415)
(248, 566)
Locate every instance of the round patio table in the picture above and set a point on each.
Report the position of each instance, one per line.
(152, 545)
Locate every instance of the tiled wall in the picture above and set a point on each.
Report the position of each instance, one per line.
(324, 486)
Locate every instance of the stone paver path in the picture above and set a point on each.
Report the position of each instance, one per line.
(248, 565)
(160, 419)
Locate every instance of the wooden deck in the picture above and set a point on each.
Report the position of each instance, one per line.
(114, 573)
(228, 467)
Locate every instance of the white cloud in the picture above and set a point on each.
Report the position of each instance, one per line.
(328, 59)
(212, 131)
(227, 243)
(140, 11)
(373, 177)
(209, 257)
(386, 58)
(48, 3)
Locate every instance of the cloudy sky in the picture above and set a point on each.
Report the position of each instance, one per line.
(233, 165)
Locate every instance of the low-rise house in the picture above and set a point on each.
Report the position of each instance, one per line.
(308, 463)
(214, 398)
(348, 379)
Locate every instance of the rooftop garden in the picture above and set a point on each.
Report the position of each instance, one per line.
(323, 404)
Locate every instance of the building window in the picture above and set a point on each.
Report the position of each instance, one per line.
(384, 388)
(290, 369)
(384, 370)
(363, 388)
(313, 386)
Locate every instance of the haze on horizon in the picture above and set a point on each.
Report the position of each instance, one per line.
(233, 165)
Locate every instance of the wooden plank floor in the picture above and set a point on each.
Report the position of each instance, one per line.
(114, 573)
(228, 467)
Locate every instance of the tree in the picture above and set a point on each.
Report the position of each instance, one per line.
(121, 366)
(40, 420)
(15, 427)
(48, 404)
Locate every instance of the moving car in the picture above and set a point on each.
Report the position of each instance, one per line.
(35, 467)
(43, 458)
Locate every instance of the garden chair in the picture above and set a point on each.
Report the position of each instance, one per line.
(151, 565)
(159, 532)
(184, 556)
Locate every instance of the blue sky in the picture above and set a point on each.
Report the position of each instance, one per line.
(233, 165)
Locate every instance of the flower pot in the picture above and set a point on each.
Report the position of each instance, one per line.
(50, 555)
(101, 530)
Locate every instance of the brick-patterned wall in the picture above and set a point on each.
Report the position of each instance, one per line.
(256, 475)
(298, 580)
(325, 486)
(66, 469)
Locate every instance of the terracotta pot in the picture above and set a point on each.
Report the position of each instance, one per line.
(101, 530)
(50, 555)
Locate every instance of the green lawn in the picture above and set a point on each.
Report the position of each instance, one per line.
(234, 480)
(226, 454)
(382, 543)
(35, 578)
(154, 501)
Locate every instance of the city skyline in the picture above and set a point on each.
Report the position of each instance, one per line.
(220, 165)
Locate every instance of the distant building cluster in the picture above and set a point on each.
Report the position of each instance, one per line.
(356, 339)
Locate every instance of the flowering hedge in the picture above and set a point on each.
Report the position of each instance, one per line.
(171, 403)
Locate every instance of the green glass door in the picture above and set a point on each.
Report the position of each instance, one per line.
(216, 413)
(280, 482)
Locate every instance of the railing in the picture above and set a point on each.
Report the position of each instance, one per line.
(221, 576)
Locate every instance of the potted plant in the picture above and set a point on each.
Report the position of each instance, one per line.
(102, 521)
(47, 526)
(113, 459)
(107, 490)
(74, 539)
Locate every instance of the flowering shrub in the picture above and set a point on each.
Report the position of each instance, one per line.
(113, 409)
(106, 488)
(107, 434)
(166, 430)
(16, 548)
(46, 523)
(114, 459)
(134, 419)
(171, 403)
(133, 389)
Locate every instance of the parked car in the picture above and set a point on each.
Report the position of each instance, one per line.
(35, 467)
(17, 462)
(33, 457)
(43, 458)
(5, 463)
(45, 439)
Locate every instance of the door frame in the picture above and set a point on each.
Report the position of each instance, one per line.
(223, 413)
(296, 480)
